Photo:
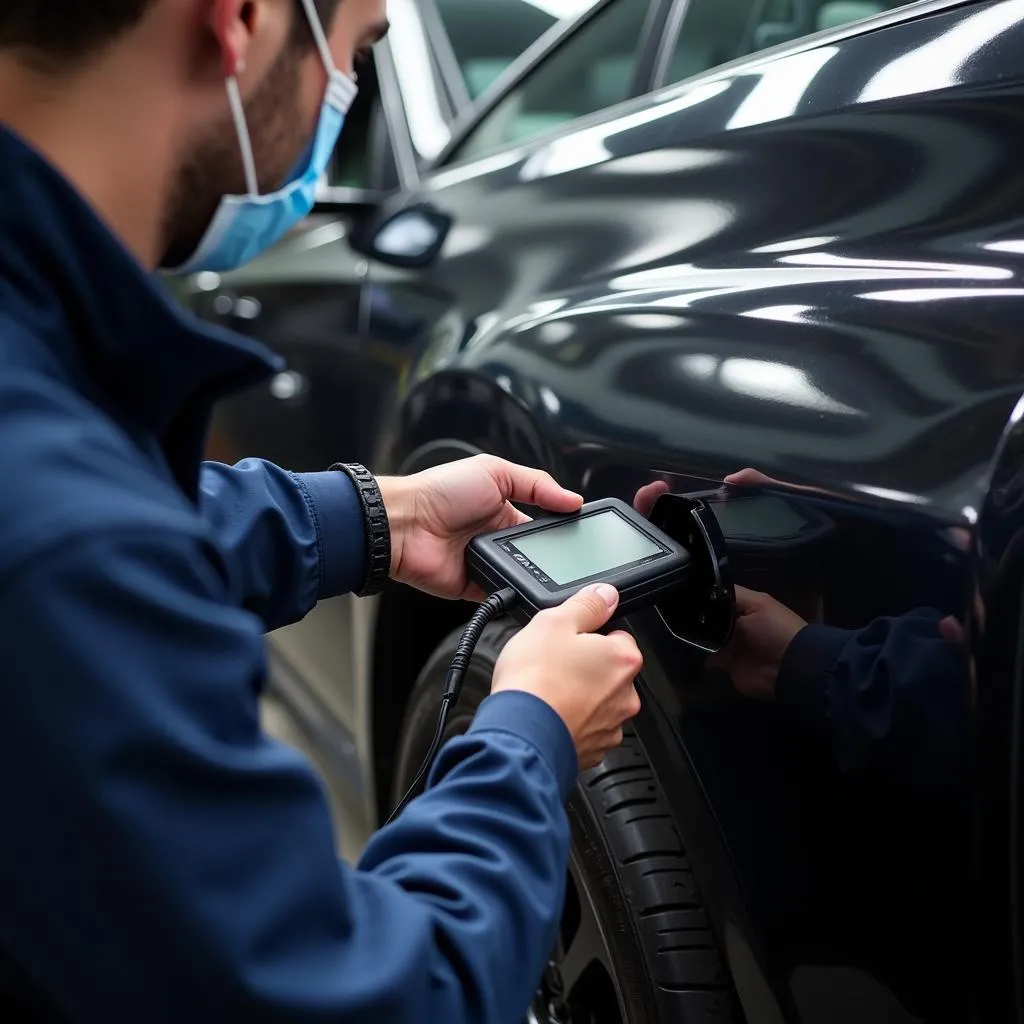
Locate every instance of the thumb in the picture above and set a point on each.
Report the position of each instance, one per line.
(590, 608)
(747, 601)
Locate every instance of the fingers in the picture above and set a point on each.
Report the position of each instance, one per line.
(647, 497)
(532, 487)
(603, 746)
(951, 631)
(626, 649)
(749, 478)
(633, 705)
(755, 478)
(748, 601)
(589, 609)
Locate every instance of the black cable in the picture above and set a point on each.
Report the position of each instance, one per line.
(496, 605)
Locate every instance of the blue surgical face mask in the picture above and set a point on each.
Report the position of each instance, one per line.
(245, 226)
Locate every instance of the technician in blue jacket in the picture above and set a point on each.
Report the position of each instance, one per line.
(161, 859)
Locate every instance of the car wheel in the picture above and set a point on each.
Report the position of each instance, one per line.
(635, 944)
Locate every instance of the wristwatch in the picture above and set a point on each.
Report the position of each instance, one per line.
(378, 530)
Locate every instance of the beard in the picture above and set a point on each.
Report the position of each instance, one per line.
(212, 166)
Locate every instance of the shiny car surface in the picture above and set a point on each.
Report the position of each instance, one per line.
(677, 240)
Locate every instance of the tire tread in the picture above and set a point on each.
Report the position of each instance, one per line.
(679, 945)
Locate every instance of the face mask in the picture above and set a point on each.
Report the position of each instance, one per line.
(245, 226)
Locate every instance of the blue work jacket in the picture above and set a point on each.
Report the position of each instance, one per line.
(161, 858)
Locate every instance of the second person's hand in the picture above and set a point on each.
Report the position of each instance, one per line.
(585, 677)
(764, 630)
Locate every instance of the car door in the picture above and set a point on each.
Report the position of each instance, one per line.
(807, 265)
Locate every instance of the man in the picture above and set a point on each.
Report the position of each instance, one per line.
(162, 860)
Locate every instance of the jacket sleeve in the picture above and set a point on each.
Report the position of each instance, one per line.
(892, 697)
(173, 863)
(291, 539)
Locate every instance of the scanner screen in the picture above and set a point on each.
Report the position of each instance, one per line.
(596, 545)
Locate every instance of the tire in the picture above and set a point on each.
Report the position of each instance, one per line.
(636, 944)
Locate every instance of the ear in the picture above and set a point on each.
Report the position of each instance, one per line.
(232, 23)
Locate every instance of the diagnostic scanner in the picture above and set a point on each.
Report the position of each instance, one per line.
(541, 564)
(548, 560)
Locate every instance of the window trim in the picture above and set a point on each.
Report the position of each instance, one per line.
(392, 103)
(415, 32)
(651, 43)
(444, 54)
(860, 27)
(541, 51)
(669, 42)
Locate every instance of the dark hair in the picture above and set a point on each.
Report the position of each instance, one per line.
(72, 30)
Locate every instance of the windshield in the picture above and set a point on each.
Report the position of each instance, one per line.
(488, 35)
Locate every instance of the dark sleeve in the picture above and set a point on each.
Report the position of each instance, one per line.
(290, 539)
(166, 861)
(892, 697)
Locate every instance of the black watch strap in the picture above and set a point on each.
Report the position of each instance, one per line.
(378, 530)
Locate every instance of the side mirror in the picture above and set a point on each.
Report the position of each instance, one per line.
(411, 238)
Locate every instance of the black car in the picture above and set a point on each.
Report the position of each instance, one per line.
(678, 240)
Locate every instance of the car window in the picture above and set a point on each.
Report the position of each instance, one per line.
(591, 70)
(488, 35)
(717, 31)
(363, 157)
(350, 162)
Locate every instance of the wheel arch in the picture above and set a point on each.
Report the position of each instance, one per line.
(450, 416)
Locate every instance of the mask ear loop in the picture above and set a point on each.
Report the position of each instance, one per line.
(238, 111)
(319, 35)
(242, 131)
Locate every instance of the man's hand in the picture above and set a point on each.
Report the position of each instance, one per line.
(585, 677)
(764, 630)
(434, 515)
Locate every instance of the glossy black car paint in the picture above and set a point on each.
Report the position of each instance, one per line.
(810, 264)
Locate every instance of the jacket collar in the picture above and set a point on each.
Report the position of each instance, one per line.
(99, 309)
